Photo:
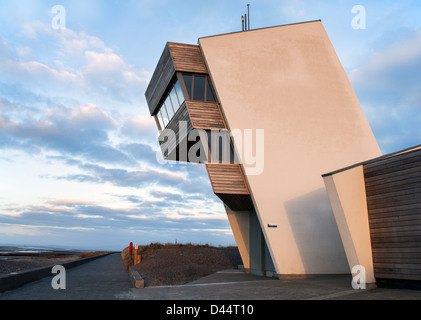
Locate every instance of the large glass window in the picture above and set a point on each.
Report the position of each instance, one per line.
(209, 92)
(174, 100)
(188, 82)
(198, 87)
(170, 106)
(179, 93)
(163, 116)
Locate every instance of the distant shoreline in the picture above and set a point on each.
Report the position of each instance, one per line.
(11, 251)
(21, 258)
(34, 251)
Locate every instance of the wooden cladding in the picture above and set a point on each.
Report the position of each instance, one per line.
(169, 147)
(187, 58)
(194, 115)
(227, 178)
(162, 77)
(393, 188)
(229, 184)
(205, 115)
(175, 57)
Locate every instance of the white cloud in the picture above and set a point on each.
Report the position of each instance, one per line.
(73, 105)
(140, 127)
(91, 116)
(389, 89)
(34, 74)
(102, 62)
(68, 64)
(396, 57)
(23, 51)
(72, 202)
(76, 43)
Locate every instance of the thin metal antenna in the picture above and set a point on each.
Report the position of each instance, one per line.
(245, 19)
(248, 16)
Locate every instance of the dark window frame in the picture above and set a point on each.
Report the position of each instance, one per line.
(207, 86)
(161, 122)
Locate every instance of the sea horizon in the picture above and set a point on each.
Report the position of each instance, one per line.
(7, 249)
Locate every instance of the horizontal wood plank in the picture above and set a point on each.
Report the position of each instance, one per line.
(400, 221)
(393, 189)
(398, 231)
(187, 58)
(205, 115)
(396, 192)
(227, 179)
(393, 160)
(175, 57)
(395, 218)
(397, 255)
(395, 276)
(398, 185)
(398, 249)
(229, 185)
(395, 203)
(407, 208)
(398, 269)
(393, 176)
(388, 241)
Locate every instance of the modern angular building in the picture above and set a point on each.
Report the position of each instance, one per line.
(268, 112)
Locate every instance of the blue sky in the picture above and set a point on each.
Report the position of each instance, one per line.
(78, 163)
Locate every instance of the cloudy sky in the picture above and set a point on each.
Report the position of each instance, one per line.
(78, 164)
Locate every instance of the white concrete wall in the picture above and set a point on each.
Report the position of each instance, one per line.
(347, 195)
(289, 81)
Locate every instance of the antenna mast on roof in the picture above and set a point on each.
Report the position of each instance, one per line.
(248, 16)
(245, 19)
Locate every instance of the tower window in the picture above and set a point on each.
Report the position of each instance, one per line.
(170, 106)
(198, 87)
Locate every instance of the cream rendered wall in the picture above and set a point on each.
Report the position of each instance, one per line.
(240, 224)
(346, 191)
(289, 81)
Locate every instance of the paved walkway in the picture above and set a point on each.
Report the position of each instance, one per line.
(229, 285)
(107, 279)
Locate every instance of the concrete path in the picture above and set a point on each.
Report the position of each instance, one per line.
(107, 279)
(229, 285)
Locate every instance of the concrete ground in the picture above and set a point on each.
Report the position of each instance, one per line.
(107, 279)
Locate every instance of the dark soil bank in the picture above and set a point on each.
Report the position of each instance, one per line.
(175, 264)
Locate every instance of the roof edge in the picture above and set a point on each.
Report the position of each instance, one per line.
(386, 156)
(263, 28)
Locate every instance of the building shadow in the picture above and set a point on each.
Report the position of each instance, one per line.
(316, 234)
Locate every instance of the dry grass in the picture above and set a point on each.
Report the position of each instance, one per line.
(175, 264)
